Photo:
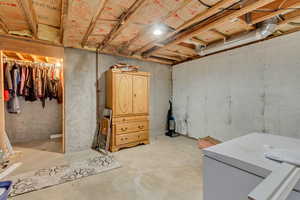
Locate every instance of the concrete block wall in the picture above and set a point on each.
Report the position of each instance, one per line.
(34, 122)
(249, 89)
(80, 95)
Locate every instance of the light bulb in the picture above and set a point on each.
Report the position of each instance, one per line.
(157, 32)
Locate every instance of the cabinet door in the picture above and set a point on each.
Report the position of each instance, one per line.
(123, 94)
(140, 94)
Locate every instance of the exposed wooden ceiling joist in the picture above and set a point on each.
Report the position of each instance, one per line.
(123, 22)
(168, 57)
(188, 34)
(20, 56)
(287, 5)
(4, 26)
(198, 18)
(201, 42)
(219, 34)
(246, 25)
(63, 15)
(93, 22)
(211, 11)
(176, 53)
(290, 17)
(30, 15)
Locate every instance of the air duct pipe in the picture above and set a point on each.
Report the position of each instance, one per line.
(266, 29)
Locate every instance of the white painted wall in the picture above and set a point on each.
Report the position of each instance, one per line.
(253, 88)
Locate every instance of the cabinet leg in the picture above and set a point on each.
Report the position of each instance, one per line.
(114, 149)
(146, 142)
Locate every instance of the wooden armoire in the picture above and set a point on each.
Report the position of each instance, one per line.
(127, 94)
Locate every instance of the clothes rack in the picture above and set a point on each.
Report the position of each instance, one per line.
(6, 59)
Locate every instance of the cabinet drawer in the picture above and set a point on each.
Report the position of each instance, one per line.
(131, 137)
(129, 119)
(123, 128)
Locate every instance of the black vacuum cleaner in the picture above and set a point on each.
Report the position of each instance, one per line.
(171, 124)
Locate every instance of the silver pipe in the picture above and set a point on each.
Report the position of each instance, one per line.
(266, 29)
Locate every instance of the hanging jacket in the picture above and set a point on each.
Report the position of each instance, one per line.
(13, 104)
(44, 80)
(8, 79)
(29, 87)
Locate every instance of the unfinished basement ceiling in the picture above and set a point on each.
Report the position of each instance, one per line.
(125, 27)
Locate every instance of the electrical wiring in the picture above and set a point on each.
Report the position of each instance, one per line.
(205, 4)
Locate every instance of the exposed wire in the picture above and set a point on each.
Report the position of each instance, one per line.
(205, 4)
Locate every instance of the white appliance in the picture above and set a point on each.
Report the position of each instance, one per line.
(235, 168)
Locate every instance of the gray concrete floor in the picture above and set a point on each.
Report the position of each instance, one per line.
(168, 168)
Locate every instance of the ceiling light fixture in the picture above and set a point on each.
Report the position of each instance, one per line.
(157, 31)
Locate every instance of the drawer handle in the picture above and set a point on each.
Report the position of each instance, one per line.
(124, 119)
(141, 127)
(124, 129)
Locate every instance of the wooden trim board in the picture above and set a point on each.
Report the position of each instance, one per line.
(29, 47)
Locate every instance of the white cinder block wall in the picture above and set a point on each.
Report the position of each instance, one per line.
(253, 88)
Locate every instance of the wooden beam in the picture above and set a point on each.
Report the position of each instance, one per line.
(198, 18)
(4, 26)
(123, 22)
(30, 15)
(209, 12)
(30, 46)
(34, 58)
(290, 17)
(168, 57)
(187, 49)
(246, 25)
(150, 59)
(176, 53)
(214, 24)
(201, 42)
(63, 14)
(20, 56)
(219, 33)
(289, 4)
(93, 22)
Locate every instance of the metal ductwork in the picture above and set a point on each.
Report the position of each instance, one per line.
(266, 29)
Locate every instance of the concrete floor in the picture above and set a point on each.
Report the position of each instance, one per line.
(168, 168)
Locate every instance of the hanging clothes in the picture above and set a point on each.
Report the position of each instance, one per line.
(23, 79)
(44, 80)
(8, 80)
(32, 81)
(6, 87)
(13, 105)
(29, 87)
